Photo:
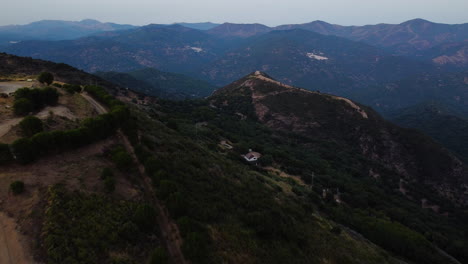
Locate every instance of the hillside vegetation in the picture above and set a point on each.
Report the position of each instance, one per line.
(161, 84)
(437, 121)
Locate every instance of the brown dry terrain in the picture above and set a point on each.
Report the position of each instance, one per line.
(78, 170)
(19, 220)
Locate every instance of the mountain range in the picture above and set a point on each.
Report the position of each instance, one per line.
(55, 30)
(388, 67)
(295, 56)
(334, 182)
(412, 38)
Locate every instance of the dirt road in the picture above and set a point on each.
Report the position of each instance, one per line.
(99, 108)
(59, 110)
(12, 243)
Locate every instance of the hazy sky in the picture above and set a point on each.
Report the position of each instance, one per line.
(269, 12)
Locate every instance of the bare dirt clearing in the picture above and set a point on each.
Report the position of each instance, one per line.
(59, 110)
(11, 86)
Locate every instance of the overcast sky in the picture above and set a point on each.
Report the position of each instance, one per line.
(269, 12)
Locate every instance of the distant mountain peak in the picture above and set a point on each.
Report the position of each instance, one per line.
(261, 74)
(320, 22)
(259, 85)
(417, 21)
(199, 26)
(89, 21)
(239, 30)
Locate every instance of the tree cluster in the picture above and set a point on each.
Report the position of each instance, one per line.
(30, 100)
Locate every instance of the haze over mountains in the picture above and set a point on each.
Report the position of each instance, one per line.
(55, 30)
(361, 62)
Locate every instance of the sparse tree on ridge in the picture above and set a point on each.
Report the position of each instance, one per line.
(46, 78)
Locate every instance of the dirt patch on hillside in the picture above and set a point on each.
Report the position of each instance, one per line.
(59, 110)
(283, 174)
(6, 108)
(6, 125)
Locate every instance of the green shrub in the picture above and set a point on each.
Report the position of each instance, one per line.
(166, 188)
(336, 230)
(46, 77)
(28, 100)
(86, 228)
(17, 187)
(106, 172)
(22, 106)
(109, 184)
(72, 88)
(159, 256)
(129, 231)
(195, 247)
(5, 154)
(145, 217)
(102, 96)
(266, 160)
(49, 96)
(188, 225)
(177, 204)
(122, 159)
(109, 180)
(30, 126)
(24, 150)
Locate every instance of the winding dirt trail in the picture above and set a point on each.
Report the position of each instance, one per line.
(169, 230)
(99, 108)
